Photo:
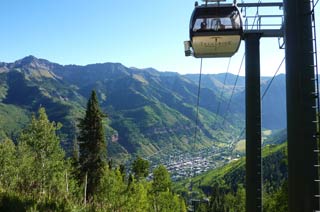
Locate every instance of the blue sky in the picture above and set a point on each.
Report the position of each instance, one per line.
(136, 33)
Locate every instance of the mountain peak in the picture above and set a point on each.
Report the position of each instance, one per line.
(29, 60)
(34, 63)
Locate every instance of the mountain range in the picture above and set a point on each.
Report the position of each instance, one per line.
(148, 110)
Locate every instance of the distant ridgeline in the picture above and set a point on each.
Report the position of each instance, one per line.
(148, 111)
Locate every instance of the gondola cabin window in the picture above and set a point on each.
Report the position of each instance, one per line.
(228, 22)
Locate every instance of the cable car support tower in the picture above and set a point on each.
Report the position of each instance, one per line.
(297, 28)
(251, 35)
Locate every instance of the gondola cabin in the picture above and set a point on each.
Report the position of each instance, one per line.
(215, 31)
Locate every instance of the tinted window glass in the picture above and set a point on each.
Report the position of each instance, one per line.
(215, 21)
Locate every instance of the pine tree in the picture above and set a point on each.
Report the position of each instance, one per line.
(92, 145)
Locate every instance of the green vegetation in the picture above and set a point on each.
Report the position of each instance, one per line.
(12, 120)
(140, 168)
(224, 186)
(35, 170)
(92, 146)
(269, 137)
(148, 110)
(42, 169)
(161, 180)
(35, 175)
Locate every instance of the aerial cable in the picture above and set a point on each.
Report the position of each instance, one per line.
(266, 90)
(222, 90)
(233, 90)
(197, 106)
(229, 102)
(314, 7)
(196, 124)
(197, 112)
(264, 93)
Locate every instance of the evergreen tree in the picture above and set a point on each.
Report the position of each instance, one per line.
(75, 152)
(277, 201)
(75, 160)
(92, 145)
(122, 170)
(235, 202)
(217, 200)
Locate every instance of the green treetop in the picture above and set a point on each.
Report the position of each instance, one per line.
(41, 161)
(161, 179)
(92, 145)
(140, 168)
(7, 164)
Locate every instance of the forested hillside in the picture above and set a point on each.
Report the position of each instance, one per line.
(36, 175)
(147, 110)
